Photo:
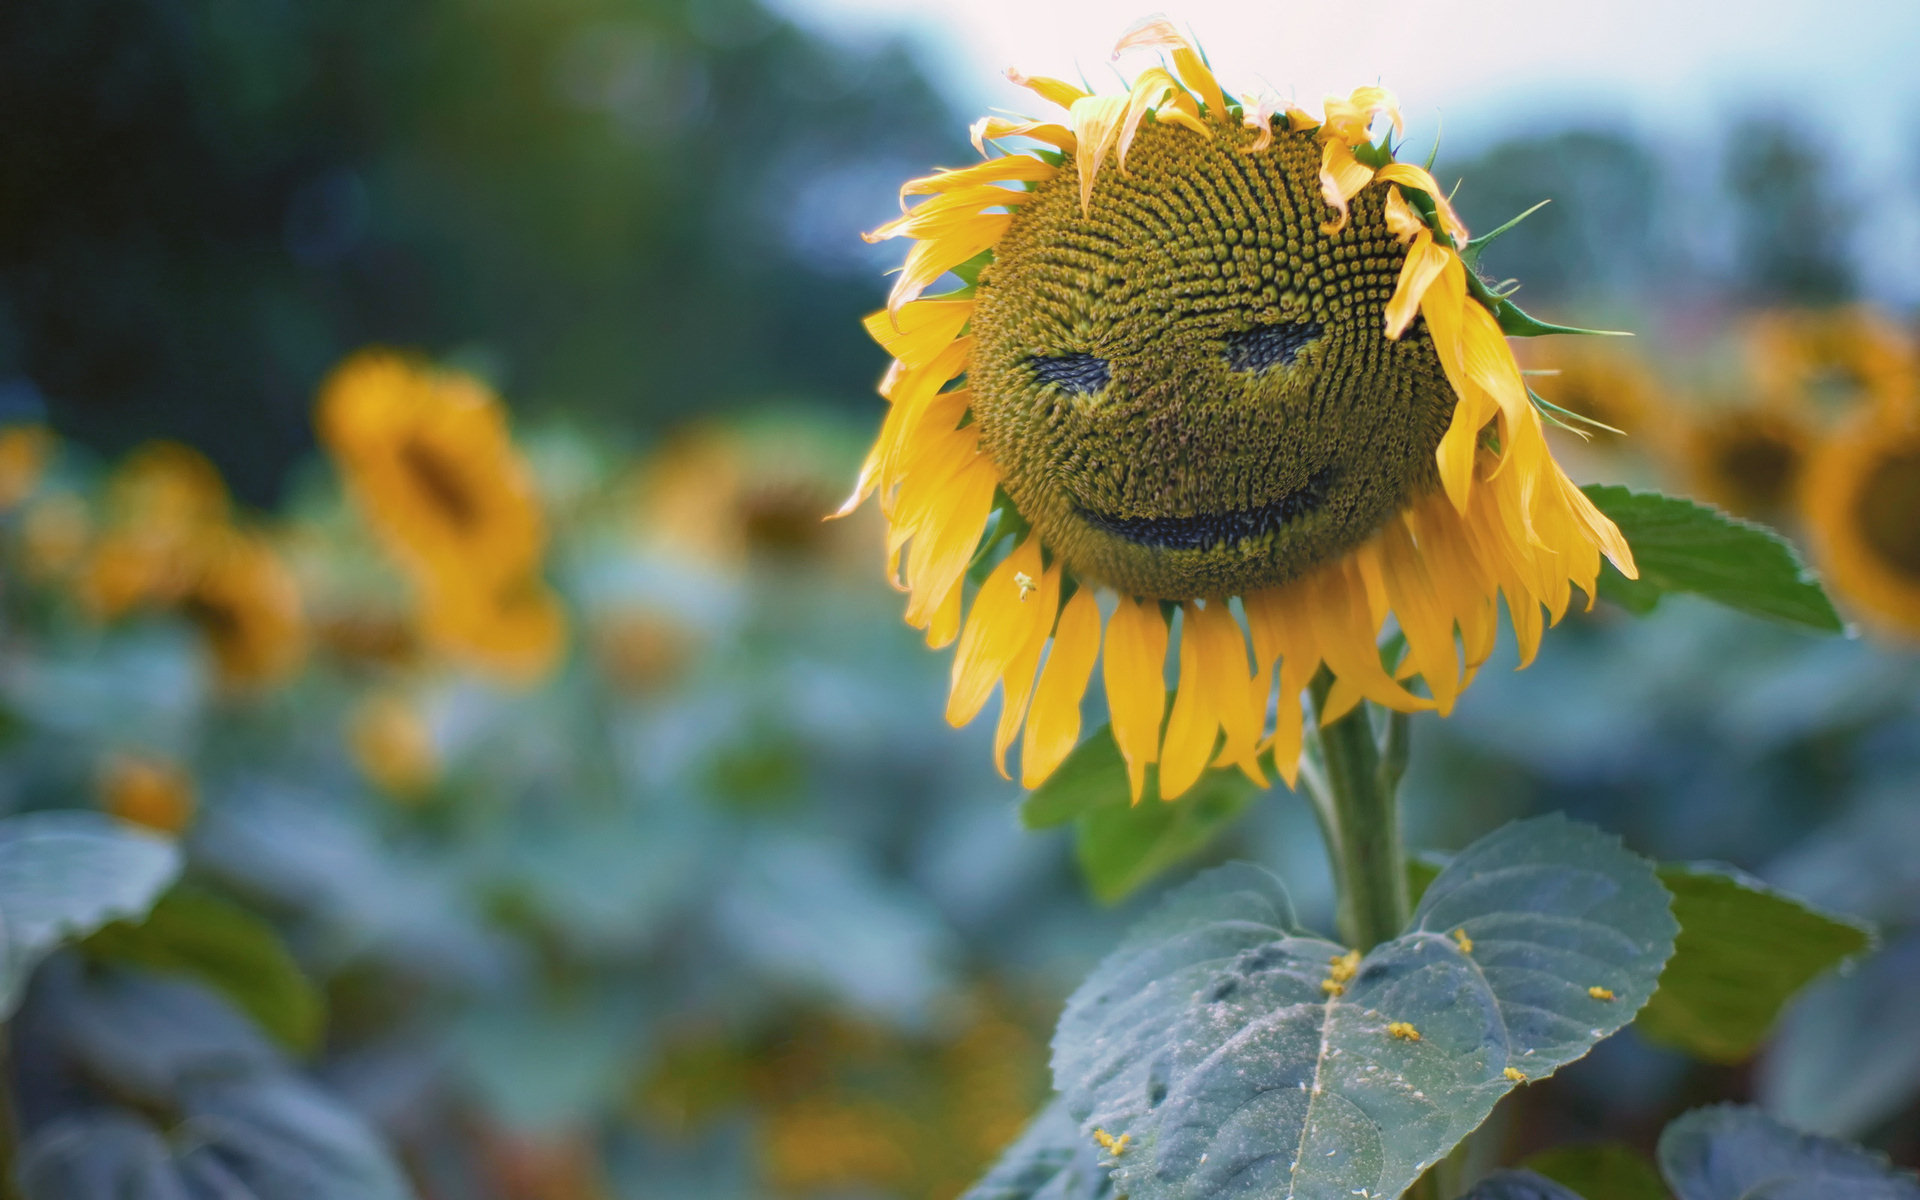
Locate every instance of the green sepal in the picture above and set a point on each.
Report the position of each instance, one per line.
(969, 271)
(1471, 252)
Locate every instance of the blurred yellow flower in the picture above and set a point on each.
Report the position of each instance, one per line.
(428, 459)
(1745, 459)
(393, 745)
(1830, 360)
(245, 602)
(54, 531)
(147, 790)
(514, 631)
(1226, 359)
(643, 650)
(164, 504)
(1861, 504)
(24, 451)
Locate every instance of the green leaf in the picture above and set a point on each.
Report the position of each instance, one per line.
(1121, 847)
(1209, 1040)
(1520, 1185)
(1744, 949)
(65, 874)
(1732, 1153)
(1681, 546)
(1602, 1171)
(1093, 776)
(215, 942)
(1049, 1161)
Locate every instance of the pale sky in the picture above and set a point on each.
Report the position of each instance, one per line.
(1674, 70)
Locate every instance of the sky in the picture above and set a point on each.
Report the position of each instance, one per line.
(1675, 71)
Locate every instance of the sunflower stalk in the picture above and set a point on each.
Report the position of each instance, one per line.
(1360, 773)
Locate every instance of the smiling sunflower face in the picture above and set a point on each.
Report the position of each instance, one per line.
(1217, 388)
(1188, 386)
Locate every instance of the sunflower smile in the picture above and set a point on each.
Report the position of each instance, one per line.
(1203, 531)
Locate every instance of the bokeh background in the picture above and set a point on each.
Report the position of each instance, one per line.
(681, 886)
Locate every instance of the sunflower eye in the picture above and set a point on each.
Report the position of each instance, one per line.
(1266, 346)
(1081, 374)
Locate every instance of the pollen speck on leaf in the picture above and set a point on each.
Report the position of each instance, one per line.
(1514, 1074)
(1463, 941)
(1404, 1031)
(1600, 993)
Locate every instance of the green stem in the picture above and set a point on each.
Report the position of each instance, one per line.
(1362, 820)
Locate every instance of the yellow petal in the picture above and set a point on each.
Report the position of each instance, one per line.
(937, 560)
(922, 329)
(947, 213)
(994, 632)
(1424, 264)
(1341, 178)
(1418, 177)
(1007, 168)
(1054, 725)
(1223, 649)
(1424, 619)
(1136, 684)
(988, 129)
(1194, 724)
(1054, 91)
(1153, 86)
(929, 260)
(1096, 128)
(1016, 682)
(1158, 33)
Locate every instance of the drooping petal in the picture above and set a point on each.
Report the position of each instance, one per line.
(1341, 178)
(1016, 682)
(921, 330)
(1158, 33)
(1054, 91)
(1096, 128)
(1135, 658)
(1224, 649)
(1054, 724)
(1194, 725)
(1007, 168)
(989, 129)
(994, 632)
(929, 260)
(1418, 177)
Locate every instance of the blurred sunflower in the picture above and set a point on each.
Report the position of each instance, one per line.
(1859, 501)
(164, 505)
(1747, 459)
(431, 465)
(24, 451)
(1831, 360)
(147, 790)
(393, 745)
(1211, 354)
(429, 461)
(1606, 386)
(246, 603)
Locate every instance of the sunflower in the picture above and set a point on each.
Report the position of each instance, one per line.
(392, 744)
(1830, 360)
(430, 463)
(165, 504)
(1858, 500)
(246, 603)
(1216, 369)
(427, 457)
(147, 790)
(1746, 459)
(24, 451)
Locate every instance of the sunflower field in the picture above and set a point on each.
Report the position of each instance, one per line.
(1332, 731)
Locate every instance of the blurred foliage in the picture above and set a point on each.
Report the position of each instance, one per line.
(632, 209)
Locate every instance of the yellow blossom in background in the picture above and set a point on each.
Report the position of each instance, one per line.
(643, 650)
(54, 532)
(1746, 459)
(1605, 382)
(1225, 366)
(1829, 361)
(428, 459)
(164, 504)
(393, 745)
(246, 604)
(1860, 502)
(147, 790)
(24, 452)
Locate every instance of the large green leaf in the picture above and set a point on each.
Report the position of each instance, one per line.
(1743, 951)
(1211, 1042)
(1732, 1153)
(63, 875)
(1681, 546)
(195, 933)
(1049, 1161)
(1123, 845)
(1601, 1170)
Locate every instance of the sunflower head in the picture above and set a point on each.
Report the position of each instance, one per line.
(1859, 498)
(24, 453)
(1747, 459)
(147, 790)
(1217, 362)
(247, 605)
